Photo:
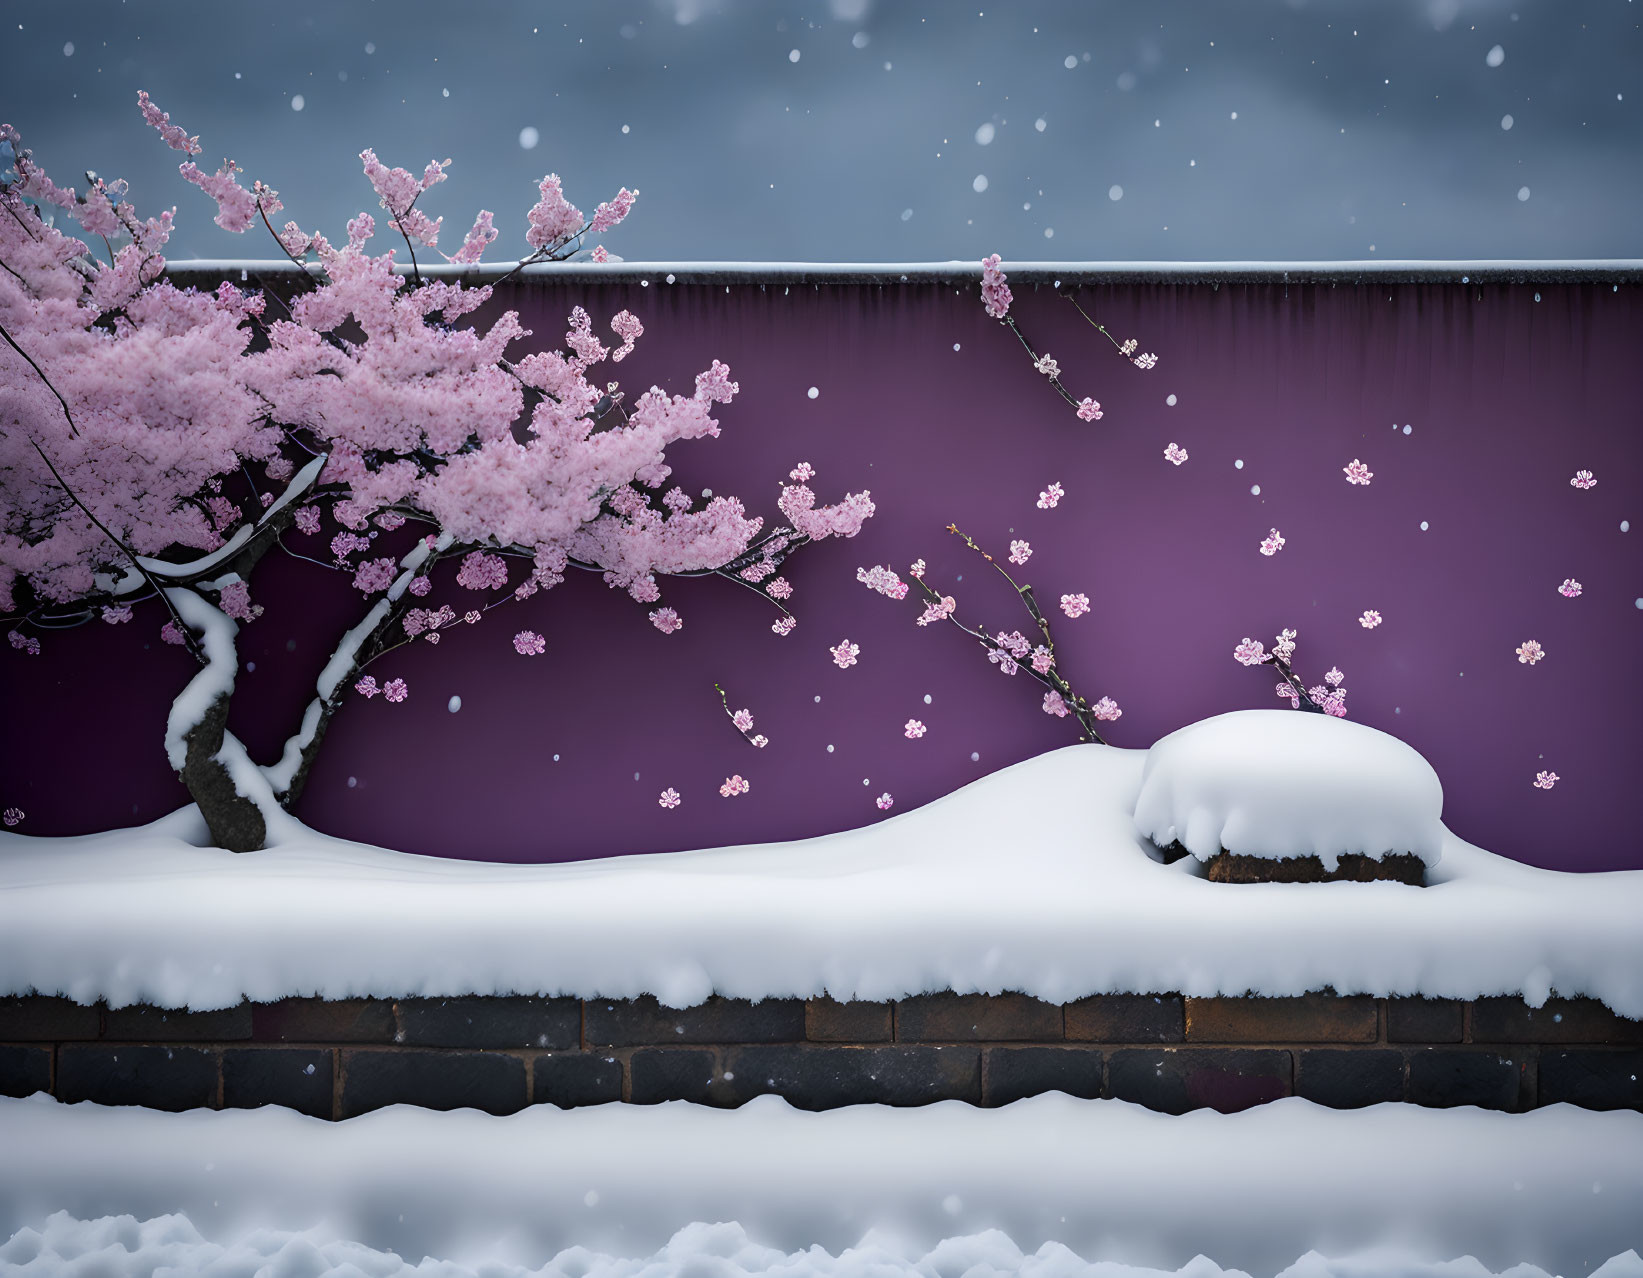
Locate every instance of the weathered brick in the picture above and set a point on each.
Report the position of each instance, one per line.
(1347, 1078)
(1010, 1073)
(298, 1078)
(1127, 1018)
(316, 1020)
(1423, 1020)
(1597, 1080)
(633, 1022)
(41, 1018)
(829, 1077)
(170, 1078)
(977, 1018)
(1441, 1077)
(827, 1020)
(676, 1073)
(24, 1070)
(1310, 1018)
(575, 1078)
(1562, 1020)
(141, 1023)
(513, 1021)
(1176, 1079)
(491, 1081)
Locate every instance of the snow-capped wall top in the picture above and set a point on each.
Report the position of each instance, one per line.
(1278, 783)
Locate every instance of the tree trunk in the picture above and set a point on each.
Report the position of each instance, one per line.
(234, 821)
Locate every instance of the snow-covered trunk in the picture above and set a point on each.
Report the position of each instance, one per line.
(379, 630)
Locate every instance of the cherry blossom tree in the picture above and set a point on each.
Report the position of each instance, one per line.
(157, 443)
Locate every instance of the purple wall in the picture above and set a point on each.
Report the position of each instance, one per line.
(1508, 389)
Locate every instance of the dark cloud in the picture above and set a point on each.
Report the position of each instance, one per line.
(1364, 128)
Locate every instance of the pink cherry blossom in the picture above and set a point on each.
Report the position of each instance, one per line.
(420, 586)
(613, 211)
(885, 801)
(1370, 619)
(803, 473)
(733, 786)
(1583, 479)
(669, 798)
(1047, 365)
(375, 575)
(175, 138)
(395, 690)
(715, 386)
(917, 570)
(1075, 605)
(1249, 652)
(1043, 659)
(1015, 643)
(307, 520)
(477, 240)
(938, 611)
(1054, 704)
(1048, 499)
(472, 616)
(995, 293)
(1357, 473)
(1273, 543)
(1334, 702)
(1570, 588)
(1107, 709)
(527, 643)
(1003, 660)
(1020, 552)
(1333, 677)
(1283, 647)
(759, 739)
(743, 719)
(784, 625)
(1529, 652)
(1129, 346)
(913, 729)
(1545, 780)
(667, 620)
(367, 686)
(845, 654)
(1145, 361)
(781, 588)
(235, 600)
(169, 633)
(480, 571)
(114, 616)
(346, 543)
(553, 219)
(1175, 454)
(1288, 692)
(236, 207)
(12, 816)
(883, 580)
(1089, 411)
(24, 643)
(599, 254)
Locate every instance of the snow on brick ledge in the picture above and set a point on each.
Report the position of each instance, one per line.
(950, 896)
(1278, 784)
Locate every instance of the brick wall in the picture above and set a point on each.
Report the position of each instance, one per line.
(337, 1059)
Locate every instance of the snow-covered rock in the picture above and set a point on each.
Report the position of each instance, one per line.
(1280, 784)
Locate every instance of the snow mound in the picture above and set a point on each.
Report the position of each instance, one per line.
(1041, 1187)
(122, 1246)
(1279, 784)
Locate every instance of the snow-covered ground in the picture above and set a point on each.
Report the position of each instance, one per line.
(1383, 1188)
(1032, 879)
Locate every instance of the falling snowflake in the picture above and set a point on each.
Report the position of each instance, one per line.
(1529, 652)
(845, 654)
(1175, 453)
(669, 798)
(1357, 473)
(1545, 780)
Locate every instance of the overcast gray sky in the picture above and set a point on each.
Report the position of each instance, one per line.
(882, 130)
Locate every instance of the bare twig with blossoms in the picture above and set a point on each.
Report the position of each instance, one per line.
(157, 443)
(996, 297)
(1011, 652)
(742, 721)
(1328, 697)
